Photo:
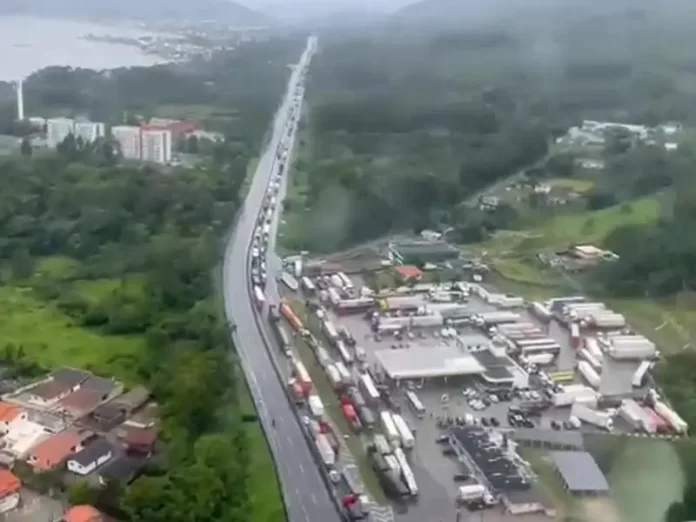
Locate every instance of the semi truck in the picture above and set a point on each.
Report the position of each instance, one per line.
(259, 298)
(389, 429)
(408, 441)
(597, 418)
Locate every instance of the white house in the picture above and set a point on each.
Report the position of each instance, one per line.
(91, 457)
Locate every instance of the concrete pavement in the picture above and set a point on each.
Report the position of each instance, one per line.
(304, 491)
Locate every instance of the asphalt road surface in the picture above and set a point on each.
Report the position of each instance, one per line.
(304, 491)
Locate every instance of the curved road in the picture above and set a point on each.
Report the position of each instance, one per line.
(304, 490)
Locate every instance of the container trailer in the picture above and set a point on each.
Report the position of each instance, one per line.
(336, 281)
(369, 389)
(590, 416)
(282, 336)
(381, 444)
(587, 356)
(545, 347)
(259, 298)
(287, 312)
(322, 356)
(494, 318)
(389, 428)
(378, 461)
(393, 485)
(344, 352)
(289, 281)
(408, 441)
(672, 418)
(347, 283)
(541, 311)
(632, 351)
(366, 416)
(575, 335)
(325, 450)
(636, 416)
(406, 472)
(346, 377)
(353, 306)
(415, 403)
(589, 374)
(316, 407)
(334, 296)
(592, 346)
(329, 330)
(301, 372)
(351, 476)
(392, 462)
(471, 493)
(334, 377)
(661, 425)
(606, 321)
(539, 359)
(308, 285)
(642, 371)
(297, 391)
(349, 413)
(356, 397)
(571, 393)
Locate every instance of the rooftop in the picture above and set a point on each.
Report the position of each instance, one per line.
(83, 514)
(9, 412)
(566, 438)
(69, 376)
(81, 402)
(48, 390)
(54, 450)
(123, 468)
(95, 449)
(579, 471)
(408, 272)
(9, 483)
(99, 384)
(419, 362)
(133, 399)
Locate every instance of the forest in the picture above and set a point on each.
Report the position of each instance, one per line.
(405, 125)
(116, 269)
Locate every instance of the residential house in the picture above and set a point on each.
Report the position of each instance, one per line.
(83, 513)
(123, 469)
(23, 434)
(98, 452)
(107, 388)
(146, 417)
(8, 414)
(52, 452)
(137, 440)
(10, 487)
(106, 417)
(79, 403)
(132, 400)
(58, 386)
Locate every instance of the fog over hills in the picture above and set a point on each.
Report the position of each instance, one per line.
(224, 11)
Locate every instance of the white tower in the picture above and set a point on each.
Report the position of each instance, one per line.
(20, 100)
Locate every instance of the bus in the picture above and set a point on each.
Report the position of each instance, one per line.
(415, 404)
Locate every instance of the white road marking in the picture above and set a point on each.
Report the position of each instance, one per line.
(301, 468)
(314, 499)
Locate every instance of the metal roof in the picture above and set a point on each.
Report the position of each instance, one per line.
(579, 471)
(422, 362)
(565, 438)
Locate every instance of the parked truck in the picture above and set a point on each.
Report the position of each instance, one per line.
(381, 444)
(389, 429)
(325, 450)
(368, 388)
(589, 374)
(406, 472)
(316, 407)
(408, 441)
(677, 424)
(642, 371)
(597, 418)
(259, 298)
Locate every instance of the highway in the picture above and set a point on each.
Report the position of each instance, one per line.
(304, 490)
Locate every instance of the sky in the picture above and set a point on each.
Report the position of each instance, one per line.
(319, 7)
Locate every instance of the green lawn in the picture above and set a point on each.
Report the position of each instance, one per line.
(52, 339)
(572, 184)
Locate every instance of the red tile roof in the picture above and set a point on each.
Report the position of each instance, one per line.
(50, 453)
(83, 513)
(9, 483)
(9, 412)
(409, 272)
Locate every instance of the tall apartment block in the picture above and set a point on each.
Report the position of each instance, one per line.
(57, 129)
(156, 145)
(89, 131)
(128, 138)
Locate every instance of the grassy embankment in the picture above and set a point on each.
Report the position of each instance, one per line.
(517, 269)
(644, 476)
(333, 406)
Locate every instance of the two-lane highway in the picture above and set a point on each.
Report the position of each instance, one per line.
(304, 490)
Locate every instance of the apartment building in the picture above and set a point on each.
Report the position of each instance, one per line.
(89, 131)
(57, 129)
(156, 144)
(128, 138)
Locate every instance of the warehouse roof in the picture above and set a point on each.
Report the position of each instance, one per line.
(421, 362)
(423, 246)
(579, 471)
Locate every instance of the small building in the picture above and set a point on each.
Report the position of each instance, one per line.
(10, 487)
(8, 414)
(92, 456)
(421, 252)
(123, 469)
(408, 273)
(580, 474)
(132, 400)
(137, 440)
(79, 403)
(145, 417)
(83, 513)
(52, 452)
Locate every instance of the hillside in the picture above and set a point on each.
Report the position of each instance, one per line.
(151, 10)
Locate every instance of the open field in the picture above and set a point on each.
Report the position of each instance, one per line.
(52, 339)
(572, 184)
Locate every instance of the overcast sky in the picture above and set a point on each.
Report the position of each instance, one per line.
(307, 7)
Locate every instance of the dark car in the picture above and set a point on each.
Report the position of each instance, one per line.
(495, 422)
(460, 477)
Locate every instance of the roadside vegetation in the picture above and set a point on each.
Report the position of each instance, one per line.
(111, 268)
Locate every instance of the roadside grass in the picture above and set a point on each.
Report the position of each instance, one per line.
(264, 488)
(645, 478)
(333, 407)
(52, 339)
(57, 267)
(95, 290)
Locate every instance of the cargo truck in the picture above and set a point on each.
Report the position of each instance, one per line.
(389, 429)
(589, 374)
(368, 388)
(316, 407)
(600, 419)
(295, 322)
(259, 298)
(334, 377)
(642, 371)
(350, 414)
(672, 418)
(406, 472)
(408, 441)
(325, 450)
(381, 444)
